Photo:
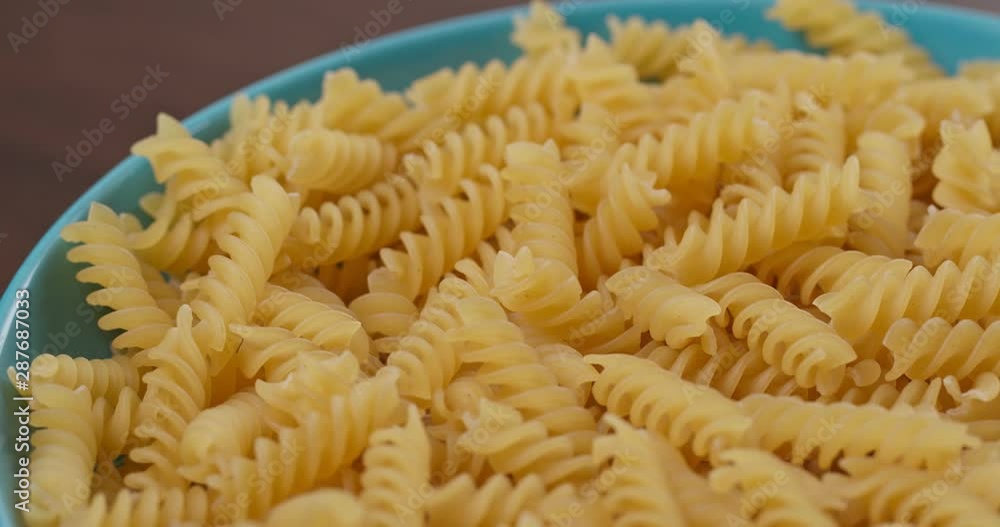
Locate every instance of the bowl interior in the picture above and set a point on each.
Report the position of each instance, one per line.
(62, 322)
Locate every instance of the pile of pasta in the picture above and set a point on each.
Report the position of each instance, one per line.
(665, 278)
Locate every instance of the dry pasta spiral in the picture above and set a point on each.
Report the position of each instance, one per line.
(734, 372)
(355, 225)
(315, 449)
(856, 80)
(154, 506)
(659, 400)
(102, 377)
(815, 207)
(451, 234)
(524, 448)
(615, 231)
(671, 312)
(543, 30)
(811, 430)
(177, 388)
(497, 501)
(938, 348)
(64, 453)
(641, 495)
(843, 30)
(957, 236)
(440, 167)
(818, 138)
(967, 169)
(229, 292)
(337, 162)
(398, 463)
(426, 358)
(784, 335)
(790, 495)
(226, 430)
(894, 493)
(863, 310)
(119, 272)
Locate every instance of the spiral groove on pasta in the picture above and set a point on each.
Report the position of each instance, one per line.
(894, 493)
(671, 312)
(337, 162)
(540, 280)
(967, 169)
(158, 506)
(844, 30)
(226, 430)
(229, 292)
(196, 181)
(65, 449)
(650, 47)
(871, 78)
(102, 377)
(784, 335)
(317, 446)
(440, 167)
(641, 495)
(799, 498)
(881, 228)
(940, 394)
(524, 448)
(863, 310)
(615, 231)
(662, 402)
(497, 501)
(666, 277)
(938, 348)
(957, 236)
(543, 30)
(691, 154)
(327, 325)
(354, 226)
(818, 138)
(732, 371)
(543, 79)
(530, 387)
(933, 442)
(177, 388)
(453, 229)
(805, 271)
(816, 207)
(119, 273)
(397, 462)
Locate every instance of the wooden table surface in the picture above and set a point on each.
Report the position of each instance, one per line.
(71, 75)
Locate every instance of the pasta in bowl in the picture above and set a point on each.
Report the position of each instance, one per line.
(615, 272)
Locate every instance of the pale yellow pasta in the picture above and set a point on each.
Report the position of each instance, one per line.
(788, 494)
(808, 430)
(967, 169)
(544, 29)
(671, 312)
(666, 276)
(397, 463)
(957, 236)
(843, 29)
(815, 208)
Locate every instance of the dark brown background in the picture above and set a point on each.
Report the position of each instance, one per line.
(67, 76)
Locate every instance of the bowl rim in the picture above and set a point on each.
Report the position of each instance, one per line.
(218, 110)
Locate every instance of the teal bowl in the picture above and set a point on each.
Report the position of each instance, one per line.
(61, 322)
